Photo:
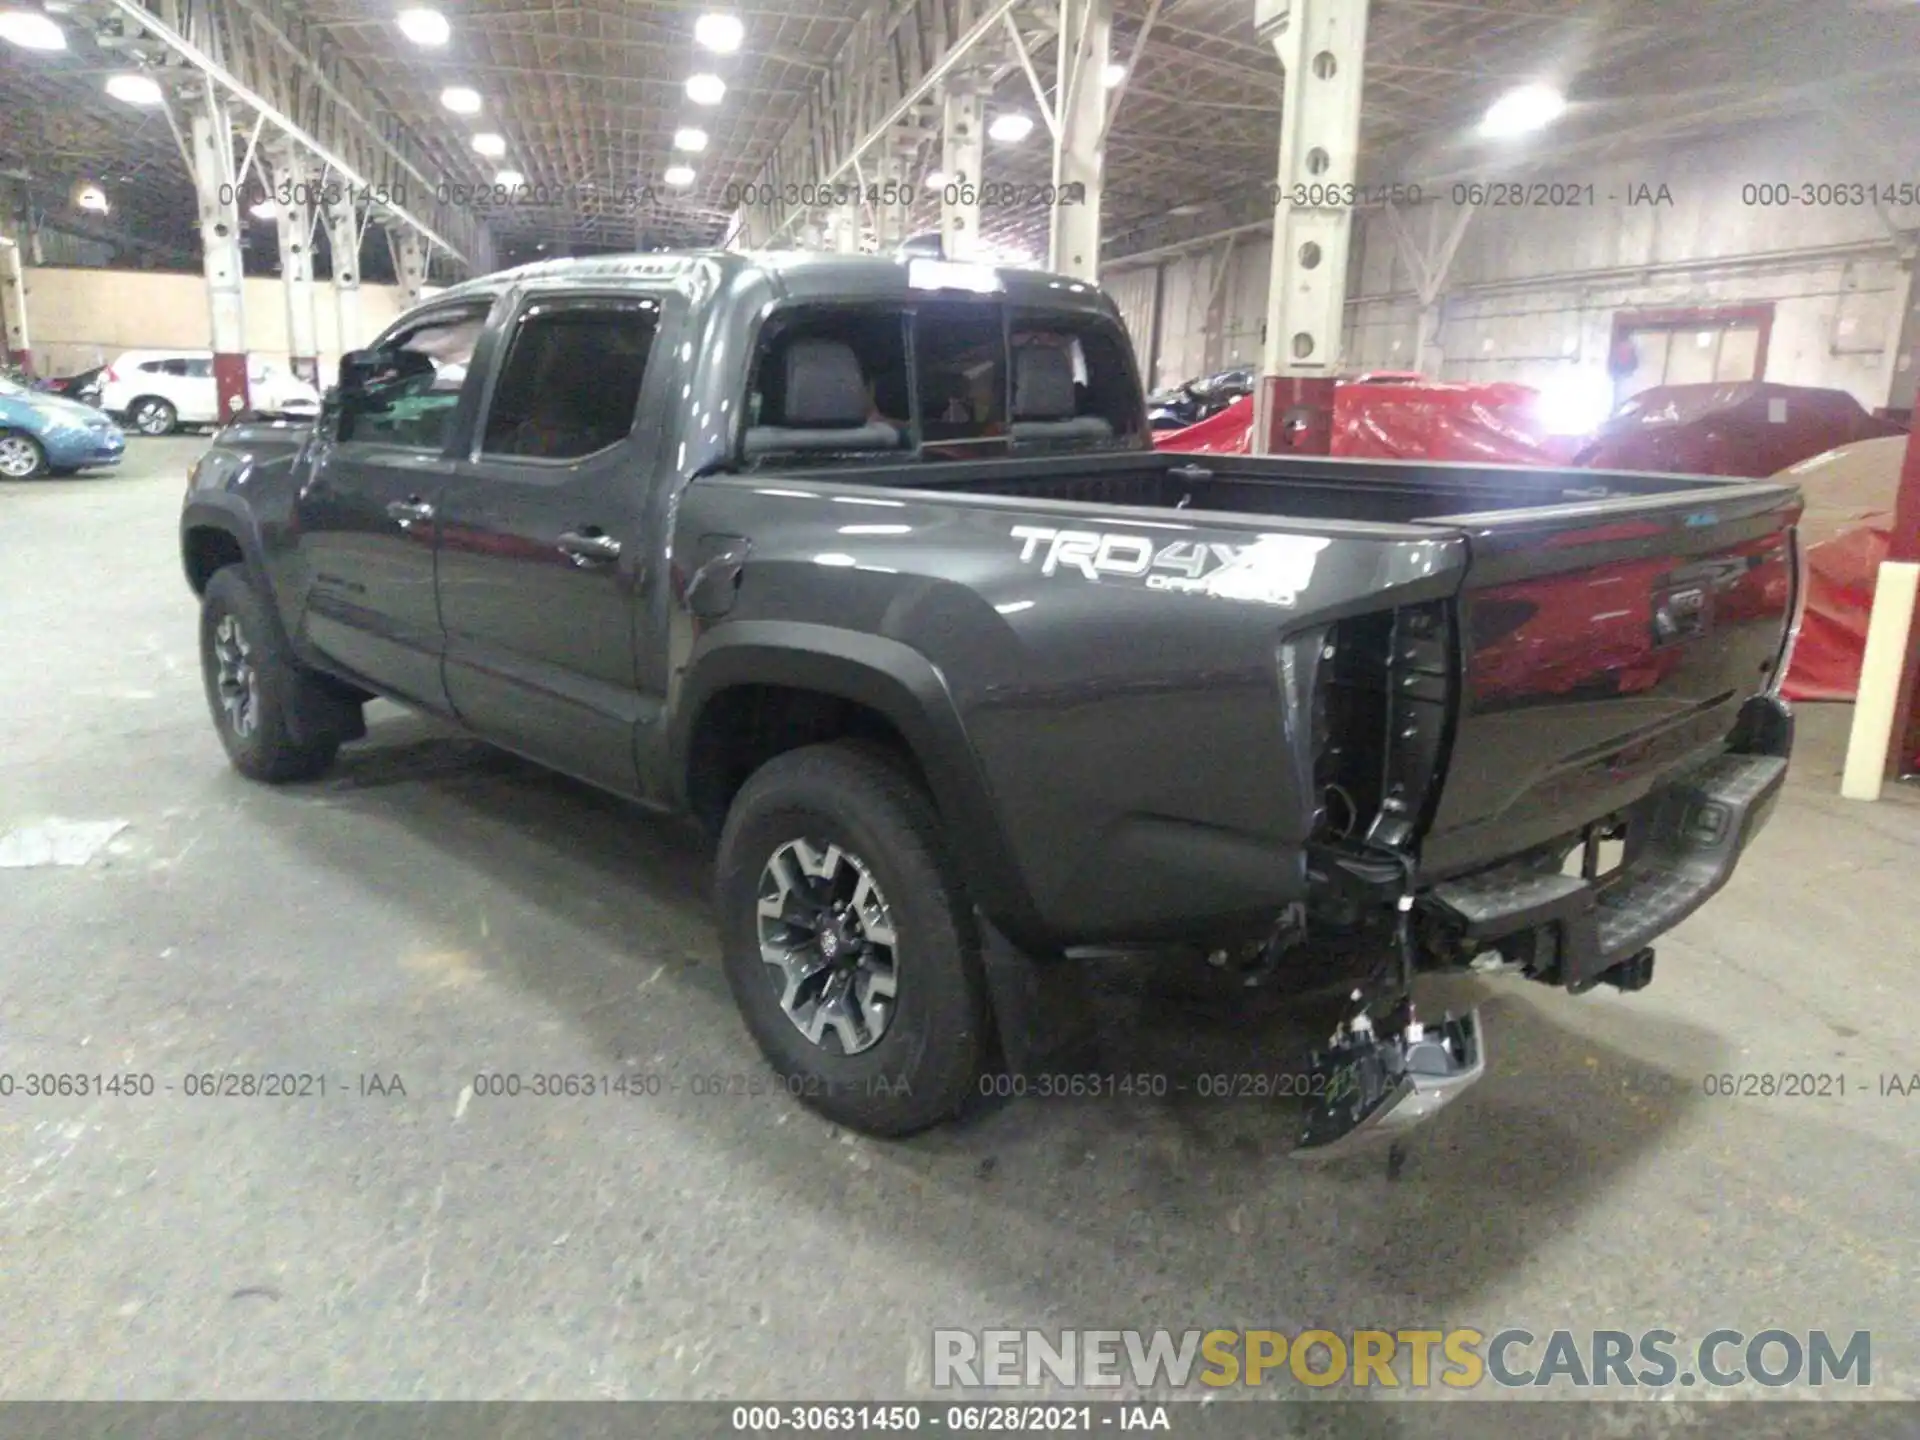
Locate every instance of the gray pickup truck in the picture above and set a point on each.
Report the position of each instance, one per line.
(869, 565)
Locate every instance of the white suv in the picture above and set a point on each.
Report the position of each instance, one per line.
(157, 391)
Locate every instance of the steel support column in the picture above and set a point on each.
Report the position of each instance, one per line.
(962, 151)
(1079, 147)
(14, 340)
(843, 229)
(895, 194)
(343, 250)
(409, 264)
(213, 180)
(294, 223)
(1321, 44)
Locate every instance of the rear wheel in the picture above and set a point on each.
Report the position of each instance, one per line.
(848, 942)
(21, 456)
(253, 685)
(151, 415)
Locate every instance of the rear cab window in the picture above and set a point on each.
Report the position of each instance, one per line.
(936, 380)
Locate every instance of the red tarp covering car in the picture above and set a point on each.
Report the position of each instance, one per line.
(1396, 417)
(1751, 428)
(1843, 535)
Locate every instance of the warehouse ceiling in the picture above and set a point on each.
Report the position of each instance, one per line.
(587, 97)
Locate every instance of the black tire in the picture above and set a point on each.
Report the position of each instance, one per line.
(927, 1060)
(25, 458)
(153, 416)
(262, 746)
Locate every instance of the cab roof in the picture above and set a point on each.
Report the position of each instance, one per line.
(801, 275)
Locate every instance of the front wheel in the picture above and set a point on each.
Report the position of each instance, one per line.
(21, 456)
(151, 415)
(848, 942)
(253, 685)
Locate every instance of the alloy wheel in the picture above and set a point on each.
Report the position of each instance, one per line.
(151, 418)
(827, 932)
(235, 677)
(19, 457)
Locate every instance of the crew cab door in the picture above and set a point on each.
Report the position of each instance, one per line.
(366, 511)
(542, 550)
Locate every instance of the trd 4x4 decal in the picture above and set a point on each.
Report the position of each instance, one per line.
(1272, 570)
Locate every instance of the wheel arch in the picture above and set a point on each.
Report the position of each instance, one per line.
(845, 685)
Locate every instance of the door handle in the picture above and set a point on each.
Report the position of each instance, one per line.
(588, 547)
(410, 510)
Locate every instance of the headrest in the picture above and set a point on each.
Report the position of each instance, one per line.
(824, 388)
(1043, 383)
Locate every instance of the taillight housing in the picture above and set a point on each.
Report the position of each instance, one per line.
(1381, 716)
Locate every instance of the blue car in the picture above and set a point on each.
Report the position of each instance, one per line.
(45, 434)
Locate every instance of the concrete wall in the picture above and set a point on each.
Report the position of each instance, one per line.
(1532, 292)
(81, 318)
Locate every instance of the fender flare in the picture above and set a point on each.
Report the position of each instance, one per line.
(897, 682)
(217, 510)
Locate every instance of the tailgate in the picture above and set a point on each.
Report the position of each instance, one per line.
(1605, 646)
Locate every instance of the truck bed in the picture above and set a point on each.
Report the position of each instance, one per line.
(1607, 626)
(1377, 492)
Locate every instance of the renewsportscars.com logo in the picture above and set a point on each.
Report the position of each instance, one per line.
(1459, 1359)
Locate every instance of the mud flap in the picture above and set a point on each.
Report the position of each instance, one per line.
(1372, 1090)
(1042, 1016)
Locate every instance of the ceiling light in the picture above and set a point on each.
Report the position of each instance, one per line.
(263, 210)
(461, 100)
(424, 27)
(936, 180)
(490, 145)
(31, 30)
(509, 179)
(91, 197)
(1113, 74)
(705, 89)
(135, 89)
(721, 34)
(1530, 107)
(1010, 128)
(679, 176)
(688, 138)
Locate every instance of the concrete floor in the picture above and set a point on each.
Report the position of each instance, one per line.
(435, 910)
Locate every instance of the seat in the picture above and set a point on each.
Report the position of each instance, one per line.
(1045, 406)
(821, 404)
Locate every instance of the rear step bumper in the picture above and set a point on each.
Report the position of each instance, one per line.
(1682, 843)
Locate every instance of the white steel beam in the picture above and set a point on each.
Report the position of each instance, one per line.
(962, 152)
(293, 223)
(354, 151)
(1086, 36)
(343, 248)
(872, 90)
(16, 347)
(221, 251)
(1321, 45)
